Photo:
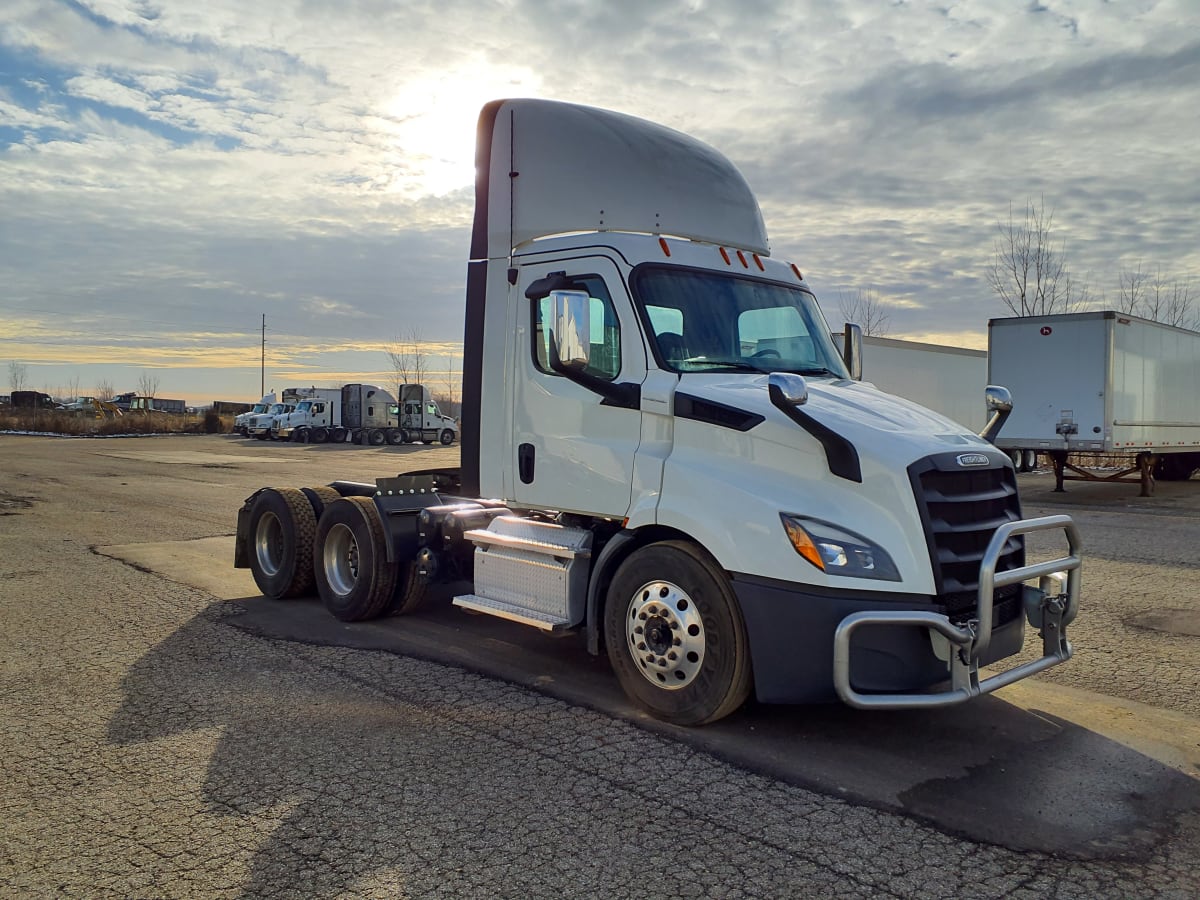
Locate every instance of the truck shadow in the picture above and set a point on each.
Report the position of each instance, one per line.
(370, 764)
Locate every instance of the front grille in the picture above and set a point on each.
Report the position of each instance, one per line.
(961, 509)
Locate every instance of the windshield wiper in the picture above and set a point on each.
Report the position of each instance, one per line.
(736, 365)
(820, 370)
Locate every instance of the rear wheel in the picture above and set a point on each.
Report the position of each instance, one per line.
(354, 578)
(675, 635)
(376, 437)
(1018, 458)
(1030, 460)
(319, 434)
(1175, 466)
(337, 435)
(282, 525)
(394, 436)
(447, 436)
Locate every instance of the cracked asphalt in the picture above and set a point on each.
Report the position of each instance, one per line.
(147, 749)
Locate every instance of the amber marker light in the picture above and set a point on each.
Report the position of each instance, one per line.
(802, 543)
(724, 256)
(797, 271)
(662, 242)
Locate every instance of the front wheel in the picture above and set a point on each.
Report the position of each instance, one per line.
(447, 437)
(354, 578)
(675, 635)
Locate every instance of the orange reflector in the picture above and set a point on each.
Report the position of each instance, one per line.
(662, 242)
(797, 271)
(742, 260)
(758, 262)
(724, 256)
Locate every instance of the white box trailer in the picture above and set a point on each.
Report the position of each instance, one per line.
(1100, 382)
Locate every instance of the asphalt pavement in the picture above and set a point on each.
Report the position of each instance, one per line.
(166, 732)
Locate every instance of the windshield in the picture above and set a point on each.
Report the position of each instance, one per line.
(703, 321)
(278, 408)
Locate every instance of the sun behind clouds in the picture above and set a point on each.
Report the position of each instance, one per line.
(431, 123)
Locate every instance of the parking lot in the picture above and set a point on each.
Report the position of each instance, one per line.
(168, 732)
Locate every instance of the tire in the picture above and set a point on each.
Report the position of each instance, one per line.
(320, 497)
(1031, 460)
(376, 437)
(262, 435)
(319, 434)
(394, 436)
(282, 525)
(412, 593)
(699, 620)
(354, 578)
(1174, 467)
(337, 435)
(446, 437)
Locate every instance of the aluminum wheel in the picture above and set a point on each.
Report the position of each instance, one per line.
(665, 634)
(340, 559)
(268, 543)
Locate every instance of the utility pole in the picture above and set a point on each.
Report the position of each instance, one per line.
(262, 386)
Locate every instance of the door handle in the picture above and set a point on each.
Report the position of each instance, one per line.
(525, 459)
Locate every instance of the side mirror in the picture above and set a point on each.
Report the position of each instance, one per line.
(852, 350)
(999, 404)
(570, 342)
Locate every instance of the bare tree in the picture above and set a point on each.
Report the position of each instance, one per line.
(1132, 283)
(407, 356)
(104, 389)
(1168, 301)
(451, 383)
(866, 308)
(18, 375)
(1029, 271)
(147, 385)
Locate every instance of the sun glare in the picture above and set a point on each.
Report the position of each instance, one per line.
(432, 124)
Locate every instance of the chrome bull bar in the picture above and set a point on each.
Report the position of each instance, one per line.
(1050, 608)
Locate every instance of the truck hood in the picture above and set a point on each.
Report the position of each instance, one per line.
(857, 411)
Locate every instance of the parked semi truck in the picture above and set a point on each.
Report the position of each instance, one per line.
(421, 419)
(1100, 382)
(360, 413)
(241, 422)
(664, 453)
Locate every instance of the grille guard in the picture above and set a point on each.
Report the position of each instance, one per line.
(1049, 612)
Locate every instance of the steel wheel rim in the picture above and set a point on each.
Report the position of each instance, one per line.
(268, 543)
(340, 559)
(665, 635)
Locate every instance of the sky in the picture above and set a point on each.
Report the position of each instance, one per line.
(172, 172)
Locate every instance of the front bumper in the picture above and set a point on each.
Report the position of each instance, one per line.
(887, 651)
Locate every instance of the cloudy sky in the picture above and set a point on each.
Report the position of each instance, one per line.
(172, 171)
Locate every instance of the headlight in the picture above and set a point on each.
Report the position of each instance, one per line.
(836, 551)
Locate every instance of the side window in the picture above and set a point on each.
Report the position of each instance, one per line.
(605, 331)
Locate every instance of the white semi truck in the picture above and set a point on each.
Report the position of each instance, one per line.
(1100, 382)
(367, 414)
(242, 420)
(663, 453)
(421, 419)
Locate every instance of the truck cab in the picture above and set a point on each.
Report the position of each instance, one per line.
(259, 426)
(421, 419)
